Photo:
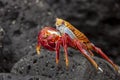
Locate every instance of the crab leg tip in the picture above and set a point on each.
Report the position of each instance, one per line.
(100, 69)
(38, 50)
(66, 64)
(56, 61)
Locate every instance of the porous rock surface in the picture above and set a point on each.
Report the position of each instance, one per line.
(8, 76)
(79, 68)
(21, 21)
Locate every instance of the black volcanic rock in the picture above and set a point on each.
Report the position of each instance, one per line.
(8, 76)
(21, 21)
(79, 67)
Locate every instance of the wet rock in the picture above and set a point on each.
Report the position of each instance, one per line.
(79, 67)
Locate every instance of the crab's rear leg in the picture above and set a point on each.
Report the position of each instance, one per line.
(100, 52)
(90, 52)
(86, 47)
(84, 52)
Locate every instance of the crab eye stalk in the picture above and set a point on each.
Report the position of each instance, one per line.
(59, 22)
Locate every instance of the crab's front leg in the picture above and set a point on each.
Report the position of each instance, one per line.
(38, 47)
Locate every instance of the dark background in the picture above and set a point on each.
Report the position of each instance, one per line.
(21, 20)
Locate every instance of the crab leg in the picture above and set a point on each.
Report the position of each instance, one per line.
(99, 51)
(86, 47)
(38, 48)
(58, 50)
(87, 56)
(64, 39)
(90, 52)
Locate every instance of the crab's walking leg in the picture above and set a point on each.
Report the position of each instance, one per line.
(38, 48)
(99, 51)
(87, 48)
(57, 50)
(90, 52)
(87, 56)
(64, 39)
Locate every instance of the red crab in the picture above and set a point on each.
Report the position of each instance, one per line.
(51, 39)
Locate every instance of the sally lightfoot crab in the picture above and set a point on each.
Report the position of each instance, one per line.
(51, 39)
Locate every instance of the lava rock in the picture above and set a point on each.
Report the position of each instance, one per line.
(21, 21)
(8, 76)
(79, 67)
(2, 33)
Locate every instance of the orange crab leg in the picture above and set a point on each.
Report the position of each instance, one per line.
(91, 53)
(99, 51)
(57, 51)
(84, 52)
(65, 49)
(87, 47)
(38, 49)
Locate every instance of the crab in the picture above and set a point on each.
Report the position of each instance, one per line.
(52, 38)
